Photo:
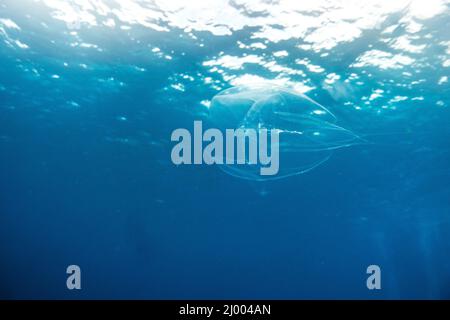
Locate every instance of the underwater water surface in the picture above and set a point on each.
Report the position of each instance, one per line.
(90, 92)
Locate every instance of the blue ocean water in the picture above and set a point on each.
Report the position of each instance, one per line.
(90, 92)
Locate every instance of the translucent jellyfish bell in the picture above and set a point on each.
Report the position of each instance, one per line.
(308, 133)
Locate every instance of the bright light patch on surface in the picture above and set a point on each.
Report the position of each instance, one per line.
(276, 68)
(233, 62)
(332, 78)
(250, 79)
(382, 60)
(264, 36)
(405, 43)
(206, 103)
(258, 45)
(282, 53)
(443, 80)
(333, 23)
(398, 99)
(311, 67)
(426, 9)
(8, 23)
(21, 45)
(376, 94)
(178, 86)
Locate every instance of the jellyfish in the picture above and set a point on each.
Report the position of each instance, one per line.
(309, 133)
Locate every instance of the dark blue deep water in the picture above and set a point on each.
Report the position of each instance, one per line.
(90, 92)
